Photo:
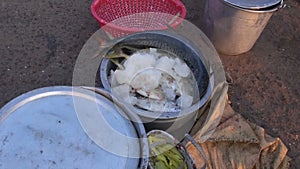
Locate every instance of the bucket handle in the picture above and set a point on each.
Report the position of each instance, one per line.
(282, 5)
(189, 138)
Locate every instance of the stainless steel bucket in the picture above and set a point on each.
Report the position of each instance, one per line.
(233, 26)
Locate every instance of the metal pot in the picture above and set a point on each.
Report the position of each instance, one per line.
(176, 124)
(233, 26)
(181, 147)
(53, 127)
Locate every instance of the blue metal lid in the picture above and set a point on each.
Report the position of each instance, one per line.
(66, 127)
(254, 4)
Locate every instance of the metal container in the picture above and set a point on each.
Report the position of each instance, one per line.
(176, 124)
(181, 146)
(70, 127)
(233, 26)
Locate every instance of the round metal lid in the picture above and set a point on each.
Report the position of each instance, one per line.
(66, 127)
(253, 4)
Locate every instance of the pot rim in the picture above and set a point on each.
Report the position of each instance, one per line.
(83, 92)
(273, 8)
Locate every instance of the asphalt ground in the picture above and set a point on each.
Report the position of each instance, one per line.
(40, 42)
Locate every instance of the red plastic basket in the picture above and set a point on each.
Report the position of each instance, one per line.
(122, 17)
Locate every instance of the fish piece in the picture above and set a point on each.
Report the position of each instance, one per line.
(165, 63)
(153, 94)
(133, 100)
(156, 94)
(151, 105)
(146, 80)
(185, 101)
(140, 60)
(182, 69)
(110, 76)
(186, 87)
(121, 91)
(170, 94)
(157, 105)
(170, 87)
(132, 65)
(123, 76)
(142, 92)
